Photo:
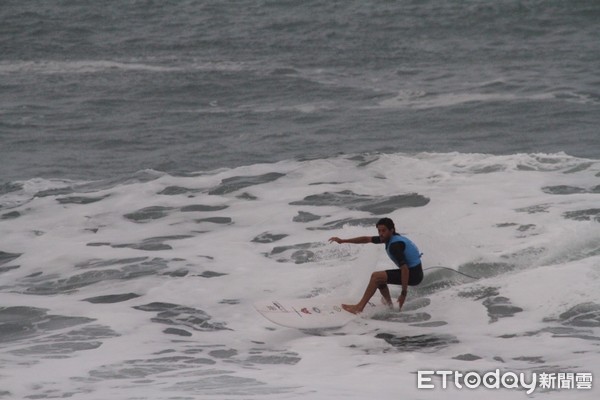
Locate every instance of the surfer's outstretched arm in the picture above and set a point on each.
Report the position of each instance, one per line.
(356, 240)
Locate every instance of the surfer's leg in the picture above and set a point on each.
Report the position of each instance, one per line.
(393, 278)
(385, 292)
(377, 279)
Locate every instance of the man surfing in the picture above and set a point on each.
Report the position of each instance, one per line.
(403, 252)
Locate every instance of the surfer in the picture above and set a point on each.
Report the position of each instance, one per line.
(403, 252)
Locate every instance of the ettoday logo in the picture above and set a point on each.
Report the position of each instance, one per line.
(508, 380)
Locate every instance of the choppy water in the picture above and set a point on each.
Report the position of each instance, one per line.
(103, 89)
(165, 165)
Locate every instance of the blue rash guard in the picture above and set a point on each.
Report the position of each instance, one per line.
(401, 250)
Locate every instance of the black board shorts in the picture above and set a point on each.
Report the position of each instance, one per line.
(415, 276)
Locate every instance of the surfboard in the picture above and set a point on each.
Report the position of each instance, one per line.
(309, 314)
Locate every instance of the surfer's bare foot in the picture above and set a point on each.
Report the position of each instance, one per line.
(354, 309)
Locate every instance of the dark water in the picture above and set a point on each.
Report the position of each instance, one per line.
(100, 89)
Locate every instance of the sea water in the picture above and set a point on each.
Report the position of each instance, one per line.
(144, 289)
(165, 165)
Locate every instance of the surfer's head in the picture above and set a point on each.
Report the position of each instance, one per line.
(386, 229)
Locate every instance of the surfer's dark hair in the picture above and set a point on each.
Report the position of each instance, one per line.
(388, 223)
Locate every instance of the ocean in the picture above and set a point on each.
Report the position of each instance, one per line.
(166, 164)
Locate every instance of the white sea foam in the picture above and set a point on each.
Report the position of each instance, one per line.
(533, 217)
(79, 67)
(423, 100)
(100, 66)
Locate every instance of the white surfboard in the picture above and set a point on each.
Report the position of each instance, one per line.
(308, 314)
